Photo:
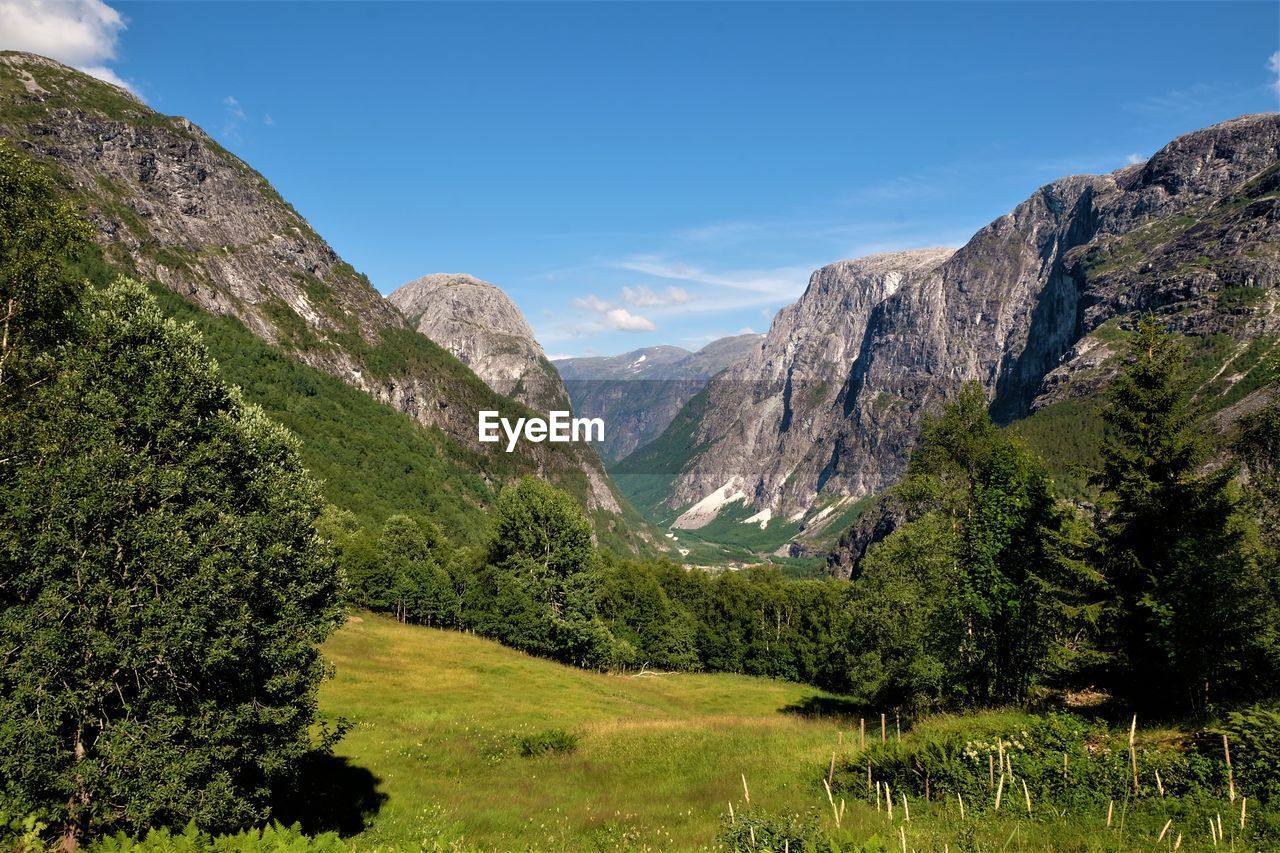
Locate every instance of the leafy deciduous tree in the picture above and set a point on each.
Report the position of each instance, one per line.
(162, 588)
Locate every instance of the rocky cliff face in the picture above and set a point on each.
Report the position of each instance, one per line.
(1031, 307)
(173, 206)
(638, 393)
(479, 324)
(770, 417)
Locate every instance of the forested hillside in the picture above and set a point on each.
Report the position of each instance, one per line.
(171, 206)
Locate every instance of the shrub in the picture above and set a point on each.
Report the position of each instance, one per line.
(1098, 765)
(21, 833)
(757, 829)
(1255, 751)
(552, 740)
(270, 839)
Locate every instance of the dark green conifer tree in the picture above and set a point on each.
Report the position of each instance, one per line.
(1188, 600)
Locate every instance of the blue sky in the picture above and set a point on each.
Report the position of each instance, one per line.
(647, 173)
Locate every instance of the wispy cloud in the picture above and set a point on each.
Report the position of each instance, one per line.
(1191, 100)
(699, 271)
(591, 302)
(81, 33)
(782, 282)
(901, 188)
(1273, 65)
(233, 116)
(721, 232)
(643, 297)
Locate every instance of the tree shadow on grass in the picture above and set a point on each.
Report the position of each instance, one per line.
(330, 795)
(826, 707)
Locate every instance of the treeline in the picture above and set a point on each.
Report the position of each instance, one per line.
(541, 586)
(1166, 594)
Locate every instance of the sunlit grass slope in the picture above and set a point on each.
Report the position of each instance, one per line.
(437, 715)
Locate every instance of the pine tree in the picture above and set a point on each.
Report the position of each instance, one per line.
(1258, 448)
(1182, 618)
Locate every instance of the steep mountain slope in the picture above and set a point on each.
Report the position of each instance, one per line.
(1032, 307)
(638, 393)
(172, 206)
(479, 324)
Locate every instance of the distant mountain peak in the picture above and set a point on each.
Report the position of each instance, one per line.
(637, 393)
(480, 324)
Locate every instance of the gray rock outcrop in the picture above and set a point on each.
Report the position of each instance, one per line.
(478, 323)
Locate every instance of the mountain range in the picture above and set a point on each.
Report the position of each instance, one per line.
(779, 440)
(1035, 307)
(638, 393)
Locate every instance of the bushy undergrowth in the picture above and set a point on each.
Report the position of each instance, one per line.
(24, 834)
(1087, 802)
(557, 741)
(1254, 734)
(1061, 757)
(761, 830)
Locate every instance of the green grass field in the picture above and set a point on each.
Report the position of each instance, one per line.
(436, 716)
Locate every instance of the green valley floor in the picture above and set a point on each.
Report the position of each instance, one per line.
(440, 724)
(437, 717)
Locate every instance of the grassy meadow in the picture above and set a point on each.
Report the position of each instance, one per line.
(437, 716)
(434, 758)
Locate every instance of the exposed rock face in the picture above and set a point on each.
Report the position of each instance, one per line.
(834, 400)
(478, 323)
(885, 515)
(638, 393)
(172, 205)
(769, 418)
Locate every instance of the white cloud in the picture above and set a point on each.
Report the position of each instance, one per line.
(642, 296)
(763, 286)
(1273, 65)
(593, 303)
(619, 319)
(624, 321)
(1135, 159)
(81, 33)
(268, 120)
(746, 330)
